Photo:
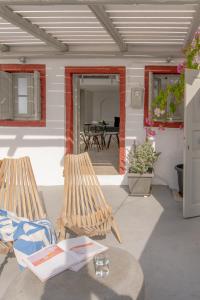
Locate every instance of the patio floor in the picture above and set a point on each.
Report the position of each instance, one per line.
(153, 230)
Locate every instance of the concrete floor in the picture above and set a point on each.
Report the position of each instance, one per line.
(153, 230)
(105, 161)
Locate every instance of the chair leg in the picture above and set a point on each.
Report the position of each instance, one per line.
(117, 135)
(116, 231)
(103, 143)
(108, 145)
(96, 142)
(5, 247)
(60, 230)
(87, 143)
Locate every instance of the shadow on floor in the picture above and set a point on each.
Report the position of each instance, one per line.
(170, 259)
(83, 285)
(83, 288)
(6, 261)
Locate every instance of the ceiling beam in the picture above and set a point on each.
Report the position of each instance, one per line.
(105, 21)
(94, 51)
(17, 20)
(193, 28)
(88, 2)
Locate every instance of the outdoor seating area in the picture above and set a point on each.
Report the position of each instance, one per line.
(99, 149)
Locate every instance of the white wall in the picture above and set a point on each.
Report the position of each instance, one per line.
(46, 146)
(105, 105)
(86, 108)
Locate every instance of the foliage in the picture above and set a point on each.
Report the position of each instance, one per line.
(176, 90)
(141, 158)
(192, 53)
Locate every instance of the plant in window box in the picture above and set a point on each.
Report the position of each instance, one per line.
(167, 101)
(141, 160)
(162, 108)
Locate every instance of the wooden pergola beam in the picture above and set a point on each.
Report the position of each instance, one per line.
(17, 20)
(105, 21)
(99, 2)
(193, 28)
(95, 52)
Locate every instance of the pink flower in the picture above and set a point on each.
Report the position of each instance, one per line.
(149, 122)
(180, 68)
(161, 127)
(150, 132)
(197, 35)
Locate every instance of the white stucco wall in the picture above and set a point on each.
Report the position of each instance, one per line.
(45, 146)
(106, 105)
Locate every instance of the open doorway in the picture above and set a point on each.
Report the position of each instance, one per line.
(95, 116)
(96, 120)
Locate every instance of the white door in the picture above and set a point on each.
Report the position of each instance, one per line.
(191, 201)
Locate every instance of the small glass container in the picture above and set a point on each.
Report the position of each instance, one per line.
(101, 264)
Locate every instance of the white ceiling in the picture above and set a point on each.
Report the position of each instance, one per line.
(144, 29)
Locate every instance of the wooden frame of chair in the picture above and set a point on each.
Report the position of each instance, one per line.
(85, 210)
(18, 189)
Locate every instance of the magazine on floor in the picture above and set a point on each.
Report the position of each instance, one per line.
(70, 254)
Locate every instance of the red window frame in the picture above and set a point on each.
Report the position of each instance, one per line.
(157, 70)
(69, 71)
(17, 68)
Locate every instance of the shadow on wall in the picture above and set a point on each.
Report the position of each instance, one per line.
(33, 137)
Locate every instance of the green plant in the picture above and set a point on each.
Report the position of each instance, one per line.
(176, 90)
(192, 53)
(141, 158)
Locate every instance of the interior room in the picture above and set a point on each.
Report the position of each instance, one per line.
(99, 120)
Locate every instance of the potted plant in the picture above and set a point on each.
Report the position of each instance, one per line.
(141, 159)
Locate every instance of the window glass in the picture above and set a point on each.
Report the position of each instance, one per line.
(22, 105)
(22, 96)
(22, 86)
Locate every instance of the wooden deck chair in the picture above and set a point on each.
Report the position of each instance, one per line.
(18, 190)
(85, 210)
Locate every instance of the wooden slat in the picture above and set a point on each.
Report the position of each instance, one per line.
(85, 209)
(18, 190)
(27, 192)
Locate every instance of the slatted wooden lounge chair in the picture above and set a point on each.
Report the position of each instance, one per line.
(85, 210)
(18, 190)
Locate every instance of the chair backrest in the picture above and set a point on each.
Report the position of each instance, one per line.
(84, 201)
(116, 121)
(18, 190)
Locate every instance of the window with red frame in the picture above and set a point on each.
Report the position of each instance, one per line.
(157, 78)
(22, 96)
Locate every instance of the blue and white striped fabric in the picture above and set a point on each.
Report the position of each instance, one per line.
(27, 236)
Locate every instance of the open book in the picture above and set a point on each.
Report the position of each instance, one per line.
(68, 254)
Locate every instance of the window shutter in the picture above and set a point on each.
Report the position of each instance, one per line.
(31, 108)
(37, 95)
(6, 103)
